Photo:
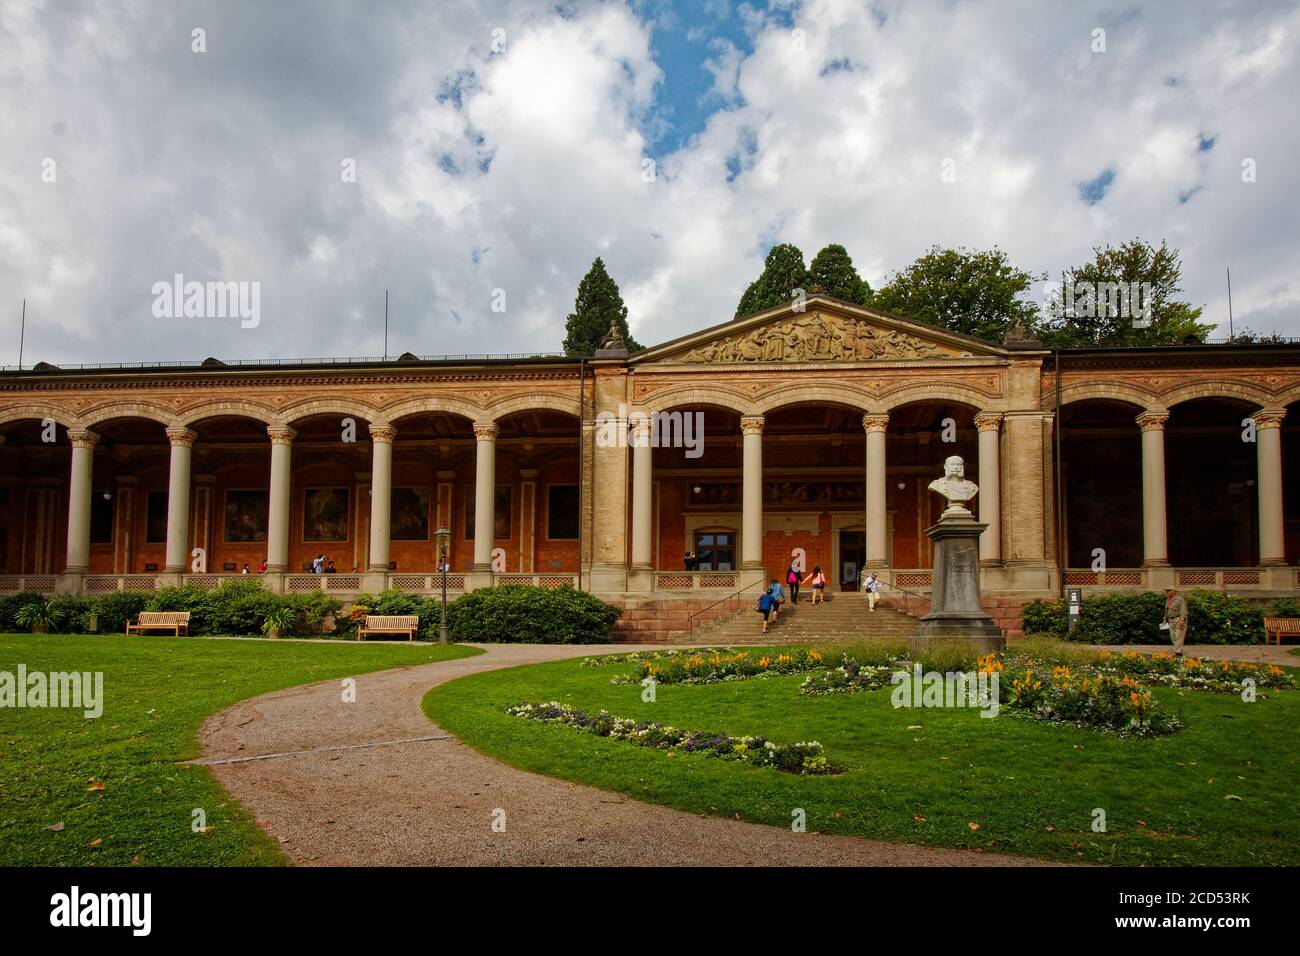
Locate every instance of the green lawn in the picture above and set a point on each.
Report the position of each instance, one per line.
(1030, 786)
(158, 691)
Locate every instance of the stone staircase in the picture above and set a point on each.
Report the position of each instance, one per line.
(842, 619)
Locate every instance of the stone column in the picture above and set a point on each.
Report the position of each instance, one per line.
(641, 577)
(277, 524)
(79, 482)
(1268, 447)
(751, 521)
(990, 496)
(877, 543)
(178, 501)
(1155, 542)
(485, 472)
(381, 495)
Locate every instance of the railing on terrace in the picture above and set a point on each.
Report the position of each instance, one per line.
(41, 583)
(550, 580)
(425, 582)
(696, 580)
(302, 583)
(1235, 578)
(921, 580)
(288, 362)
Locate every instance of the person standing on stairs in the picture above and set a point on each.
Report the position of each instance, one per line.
(778, 595)
(792, 579)
(872, 585)
(765, 606)
(818, 584)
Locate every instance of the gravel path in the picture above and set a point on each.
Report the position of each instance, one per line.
(430, 801)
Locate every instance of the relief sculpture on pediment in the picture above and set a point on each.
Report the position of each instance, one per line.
(816, 338)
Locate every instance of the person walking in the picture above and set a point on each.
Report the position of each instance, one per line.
(818, 584)
(872, 585)
(778, 595)
(792, 579)
(1175, 621)
(765, 606)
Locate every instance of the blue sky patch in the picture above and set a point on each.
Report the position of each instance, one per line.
(1094, 190)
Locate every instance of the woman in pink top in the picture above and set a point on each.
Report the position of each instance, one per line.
(818, 584)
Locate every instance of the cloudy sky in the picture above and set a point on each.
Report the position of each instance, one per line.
(500, 146)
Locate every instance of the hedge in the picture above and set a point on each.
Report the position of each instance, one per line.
(518, 614)
(1213, 618)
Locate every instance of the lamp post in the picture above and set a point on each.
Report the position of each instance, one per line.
(443, 537)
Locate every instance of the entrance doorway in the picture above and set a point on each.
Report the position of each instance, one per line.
(853, 555)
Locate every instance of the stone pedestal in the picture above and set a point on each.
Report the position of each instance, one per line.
(955, 610)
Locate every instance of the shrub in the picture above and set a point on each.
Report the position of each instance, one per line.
(114, 609)
(1045, 617)
(71, 613)
(527, 615)
(1214, 618)
(11, 605)
(1122, 619)
(1284, 607)
(313, 613)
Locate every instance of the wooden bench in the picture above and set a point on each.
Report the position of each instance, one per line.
(178, 622)
(1275, 627)
(406, 624)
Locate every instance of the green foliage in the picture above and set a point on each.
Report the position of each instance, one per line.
(1045, 617)
(783, 272)
(974, 293)
(1171, 320)
(33, 614)
(11, 605)
(1284, 607)
(241, 607)
(598, 304)
(516, 614)
(833, 273)
(115, 608)
(278, 621)
(71, 613)
(1214, 618)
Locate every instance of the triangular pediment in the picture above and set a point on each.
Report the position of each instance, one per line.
(824, 330)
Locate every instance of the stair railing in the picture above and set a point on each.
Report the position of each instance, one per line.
(734, 596)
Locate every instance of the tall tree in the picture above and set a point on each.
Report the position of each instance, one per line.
(783, 273)
(1124, 296)
(832, 272)
(597, 305)
(975, 293)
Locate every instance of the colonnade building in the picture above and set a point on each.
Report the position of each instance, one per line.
(809, 434)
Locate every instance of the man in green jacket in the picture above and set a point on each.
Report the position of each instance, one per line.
(1176, 619)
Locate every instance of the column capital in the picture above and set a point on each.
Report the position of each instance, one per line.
(180, 435)
(382, 432)
(988, 421)
(1269, 417)
(875, 422)
(752, 424)
(1153, 420)
(82, 438)
(281, 434)
(641, 426)
(486, 431)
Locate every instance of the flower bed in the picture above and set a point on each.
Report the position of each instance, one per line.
(1194, 673)
(805, 757)
(1098, 702)
(850, 677)
(711, 668)
(632, 657)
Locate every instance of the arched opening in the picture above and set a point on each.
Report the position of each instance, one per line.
(921, 437)
(230, 481)
(1291, 483)
(537, 508)
(128, 499)
(33, 498)
(329, 502)
(1211, 489)
(1101, 478)
(432, 486)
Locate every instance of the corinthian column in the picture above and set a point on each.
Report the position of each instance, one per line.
(277, 522)
(1268, 447)
(1155, 543)
(990, 472)
(178, 501)
(877, 547)
(381, 494)
(79, 480)
(484, 494)
(751, 522)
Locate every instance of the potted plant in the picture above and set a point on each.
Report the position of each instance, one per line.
(35, 616)
(277, 622)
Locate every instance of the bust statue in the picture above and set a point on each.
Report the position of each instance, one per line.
(954, 487)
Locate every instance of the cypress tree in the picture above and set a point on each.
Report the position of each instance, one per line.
(833, 273)
(598, 304)
(783, 272)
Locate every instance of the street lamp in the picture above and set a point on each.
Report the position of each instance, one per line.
(443, 537)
